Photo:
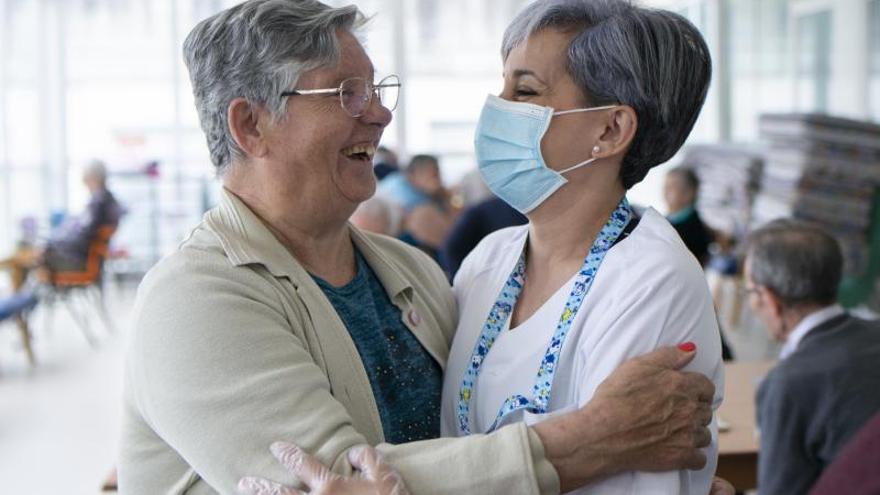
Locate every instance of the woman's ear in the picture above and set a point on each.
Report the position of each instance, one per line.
(620, 130)
(248, 130)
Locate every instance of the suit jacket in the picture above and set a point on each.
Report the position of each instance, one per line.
(815, 401)
(233, 346)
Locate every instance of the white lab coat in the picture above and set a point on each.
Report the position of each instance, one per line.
(649, 292)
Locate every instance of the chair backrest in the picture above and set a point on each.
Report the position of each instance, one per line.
(98, 251)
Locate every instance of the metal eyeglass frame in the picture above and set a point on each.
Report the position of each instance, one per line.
(371, 91)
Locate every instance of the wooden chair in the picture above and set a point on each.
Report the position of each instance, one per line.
(85, 285)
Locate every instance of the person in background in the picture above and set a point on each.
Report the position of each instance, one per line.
(374, 215)
(426, 205)
(67, 249)
(384, 163)
(475, 223)
(680, 192)
(825, 386)
(854, 470)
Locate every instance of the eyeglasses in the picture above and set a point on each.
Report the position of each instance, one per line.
(746, 291)
(356, 93)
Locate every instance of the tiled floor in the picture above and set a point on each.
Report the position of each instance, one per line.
(59, 421)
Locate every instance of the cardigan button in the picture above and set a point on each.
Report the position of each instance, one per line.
(414, 318)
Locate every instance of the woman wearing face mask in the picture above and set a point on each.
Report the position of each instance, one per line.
(596, 93)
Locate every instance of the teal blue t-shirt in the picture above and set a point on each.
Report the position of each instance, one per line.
(405, 379)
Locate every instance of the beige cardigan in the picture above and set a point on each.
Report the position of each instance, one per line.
(233, 346)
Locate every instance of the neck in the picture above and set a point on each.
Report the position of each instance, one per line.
(552, 240)
(792, 317)
(319, 238)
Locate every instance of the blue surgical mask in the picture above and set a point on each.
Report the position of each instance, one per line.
(508, 148)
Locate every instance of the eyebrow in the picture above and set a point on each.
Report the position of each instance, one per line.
(526, 72)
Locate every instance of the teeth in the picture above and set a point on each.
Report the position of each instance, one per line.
(367, 149)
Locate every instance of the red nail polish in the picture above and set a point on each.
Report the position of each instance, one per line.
(688, 347)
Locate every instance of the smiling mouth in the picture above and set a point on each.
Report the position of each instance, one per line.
(363, 152)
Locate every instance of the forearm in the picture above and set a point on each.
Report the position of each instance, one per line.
(511, 460)
(568, 447)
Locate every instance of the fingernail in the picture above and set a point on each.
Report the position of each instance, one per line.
(688, 347)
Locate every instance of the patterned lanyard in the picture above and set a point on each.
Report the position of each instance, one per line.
(502, 309)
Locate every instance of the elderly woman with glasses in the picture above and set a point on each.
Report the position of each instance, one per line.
(276, 319)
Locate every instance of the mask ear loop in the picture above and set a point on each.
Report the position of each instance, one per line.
(579, 110)
(596, 149)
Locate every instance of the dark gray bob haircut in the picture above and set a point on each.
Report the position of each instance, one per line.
(654, 61)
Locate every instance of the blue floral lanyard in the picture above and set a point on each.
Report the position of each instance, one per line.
(502, 309)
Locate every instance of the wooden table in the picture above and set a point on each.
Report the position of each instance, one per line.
(738, 446)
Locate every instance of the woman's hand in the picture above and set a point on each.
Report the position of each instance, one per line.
(373, 478)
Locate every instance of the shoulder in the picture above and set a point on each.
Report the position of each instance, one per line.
(654, 251)
(495, 250)
(199, 283)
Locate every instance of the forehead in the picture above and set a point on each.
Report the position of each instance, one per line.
(544, 52)
(353, 62)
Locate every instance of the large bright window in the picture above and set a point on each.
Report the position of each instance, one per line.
(874, 64)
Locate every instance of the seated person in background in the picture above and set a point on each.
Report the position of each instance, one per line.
(384, 163)
(825, 386)
(427, 211)
(475, 223)
(680, 192)
(68, 249)
(374, 215)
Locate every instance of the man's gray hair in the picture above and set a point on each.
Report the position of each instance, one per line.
(256, 50)
(654, 61)
(799, 262)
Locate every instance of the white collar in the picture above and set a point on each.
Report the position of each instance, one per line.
(806, 325)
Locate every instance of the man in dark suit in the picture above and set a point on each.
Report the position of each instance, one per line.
(825, 387)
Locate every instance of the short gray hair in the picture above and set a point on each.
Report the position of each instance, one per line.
(799, 262)
(654, 61)
(96, 169)
(256, 50)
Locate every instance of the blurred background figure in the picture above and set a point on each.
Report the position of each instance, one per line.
(825, 386)
(384, 162)
(680, 193)
(375, 215)
(68, 248)
(475, 223)
(427, 210)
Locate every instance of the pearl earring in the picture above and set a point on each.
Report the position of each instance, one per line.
(596, 149)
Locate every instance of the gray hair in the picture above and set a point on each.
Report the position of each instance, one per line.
(799, 262)
(96, 170)
(256, 50)
(654, 61)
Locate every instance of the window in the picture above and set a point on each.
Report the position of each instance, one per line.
(874, 54)
(756, 58)
(813, 55)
